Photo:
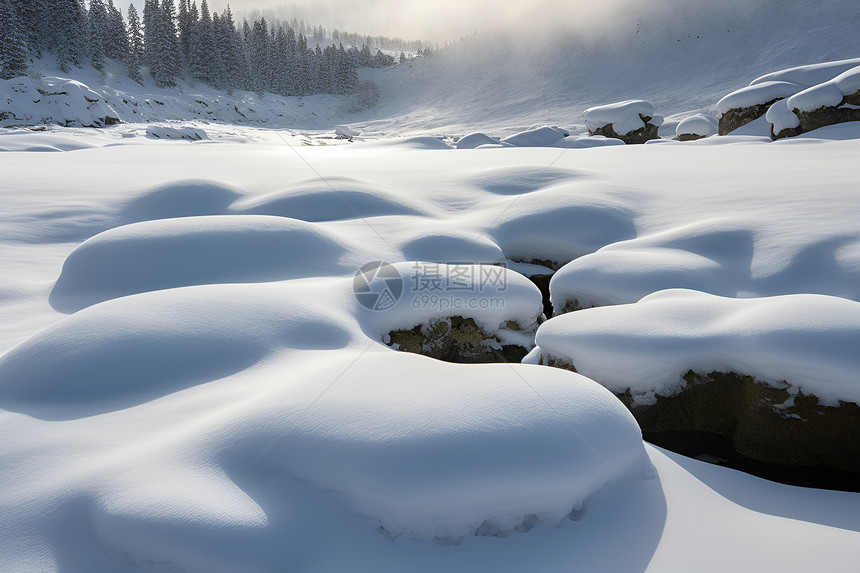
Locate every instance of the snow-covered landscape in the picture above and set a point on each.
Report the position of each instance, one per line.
(589, 301)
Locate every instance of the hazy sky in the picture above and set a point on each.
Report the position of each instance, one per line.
(436, 20)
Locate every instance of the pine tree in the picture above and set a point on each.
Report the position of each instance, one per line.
(135, 46)
(202, 46)
(117, 47)
(32, 20)
(14, 56)
(164, 59)
(96, 33)
(70, 33)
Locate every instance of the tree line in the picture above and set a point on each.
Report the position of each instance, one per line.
(185, 41)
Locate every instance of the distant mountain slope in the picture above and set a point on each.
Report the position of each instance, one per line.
(682, 55)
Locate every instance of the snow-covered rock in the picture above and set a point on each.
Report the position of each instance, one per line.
(696, 127)
(747, 104)
(169, 132)
(632, 121)
(62, 101)
(778, 375)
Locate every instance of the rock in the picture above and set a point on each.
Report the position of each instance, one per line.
(457, 339)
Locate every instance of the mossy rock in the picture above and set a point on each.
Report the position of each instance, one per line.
(457, 339)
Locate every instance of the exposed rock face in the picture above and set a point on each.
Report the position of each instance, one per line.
(638, 136)
(690, 137)
(457, 339)
(740, 116)
(753, 426)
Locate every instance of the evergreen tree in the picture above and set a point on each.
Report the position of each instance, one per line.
(33, 21)
(96, 33)
(202, 46)
(164, 61)
(14, 56)
(135, 46)
(117, 47)
(70, 33)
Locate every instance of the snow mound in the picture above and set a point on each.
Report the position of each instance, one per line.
(450, 245)
(497, 455)
(491, 295)
(419, 142)
(522, 179)
(134, 349)
(559, 224)
(167, 132)
(697, 124)
(189, 198)
(331, 199)
(162, 254)
(585, 142)
(624, 116)
(61, 101)
(475, 140)
(809, 75)
(827, 94)
(810, 341)
(540, 137)
(712, 255)
(780, 117)
(758, 94)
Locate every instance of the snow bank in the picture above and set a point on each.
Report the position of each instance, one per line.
(697, 124)
(155, 255)
(810, 341)
(781, 117)
(623, 116)
(62, 101)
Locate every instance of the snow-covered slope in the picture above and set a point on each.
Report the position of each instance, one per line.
(681, 56)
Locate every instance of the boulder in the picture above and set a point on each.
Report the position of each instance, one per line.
(631, 121)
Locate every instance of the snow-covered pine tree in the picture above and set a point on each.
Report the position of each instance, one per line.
(151, 11)
(184, 24)
(96, 34)
(202, 46)
(117, 47)
(32, 21)
(14, 57)
(135, 46)
(230, 50)
(164, 62)
(70, 33)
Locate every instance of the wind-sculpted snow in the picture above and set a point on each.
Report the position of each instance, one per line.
(168, 253)
(223, 397)
(810, 341)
